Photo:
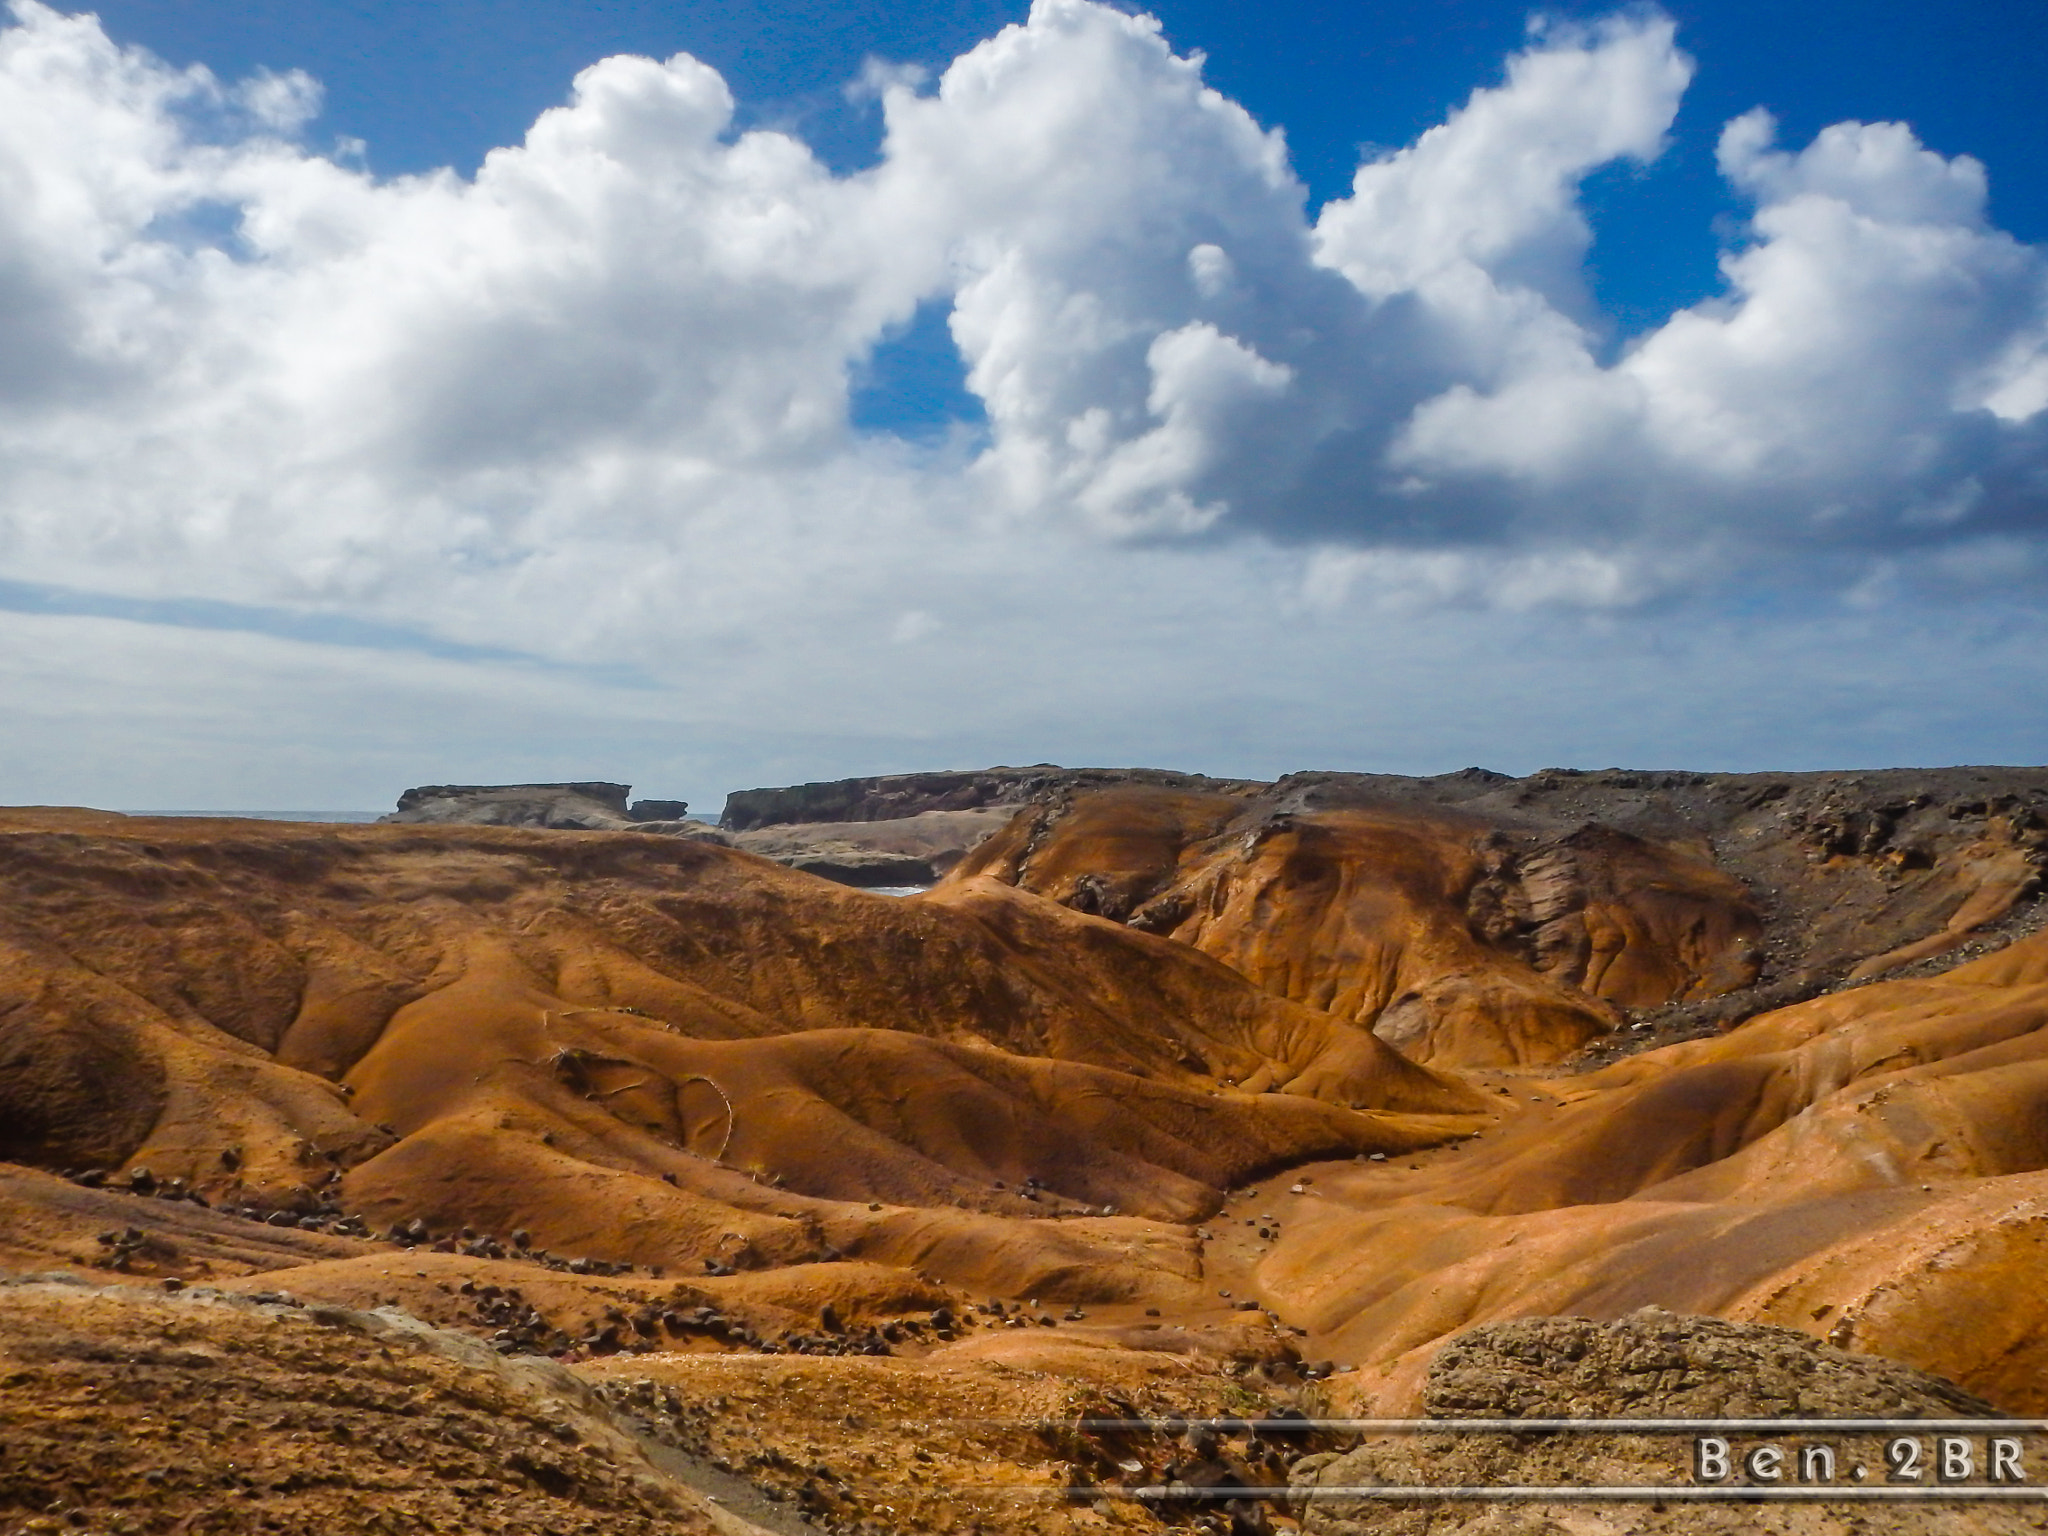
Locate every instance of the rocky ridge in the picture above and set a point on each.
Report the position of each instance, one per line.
(1557, 907)
(896, 797)
(910, 830)
(588, 806)
(1648, 1364)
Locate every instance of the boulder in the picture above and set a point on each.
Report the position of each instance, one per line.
(658, 810)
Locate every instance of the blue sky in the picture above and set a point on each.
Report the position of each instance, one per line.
(752, 423)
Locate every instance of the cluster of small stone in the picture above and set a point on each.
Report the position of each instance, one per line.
(658, 1412)
(663, 1414)
(647, 1330)
(643, 1331)
(1035, 1192)
(415, 1233)
(515, 1325)
(1024, 1315)
(122, 1248)
(329, 1218)
(827, 1499)
(1199, 1474)
(325, 1216)
(138, 1181)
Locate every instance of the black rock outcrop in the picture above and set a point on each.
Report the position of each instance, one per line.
(658, 810)
(894, 797)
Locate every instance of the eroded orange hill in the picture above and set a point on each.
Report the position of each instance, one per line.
(648, 1050)
(1419, 925)
(1866, 1167)
(1143, 1070)
(1479, 920)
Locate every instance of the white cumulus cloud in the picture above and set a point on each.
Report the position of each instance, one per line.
(592, 404)
(1869, 377)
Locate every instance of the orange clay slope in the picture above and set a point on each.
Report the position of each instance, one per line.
(635, 1048)
(1479, 920)
(650, 1050)
(1413, 921)
(1867, 1167)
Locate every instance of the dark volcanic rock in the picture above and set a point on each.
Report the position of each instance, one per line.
(896, 796)
(658, 810)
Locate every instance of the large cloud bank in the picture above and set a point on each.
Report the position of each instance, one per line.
(592, 405)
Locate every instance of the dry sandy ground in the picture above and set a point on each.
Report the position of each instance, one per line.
(122, 1411)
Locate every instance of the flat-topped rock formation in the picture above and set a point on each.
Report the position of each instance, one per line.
(912, 851)
(894, 797)
(910, 829)
(590, 806)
